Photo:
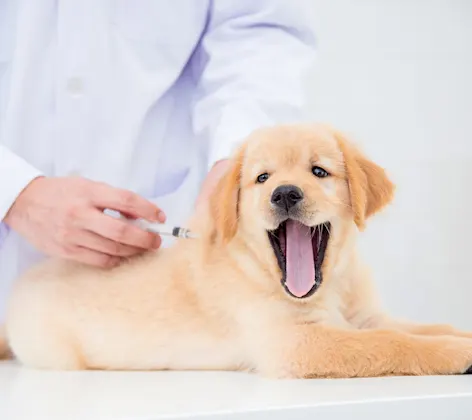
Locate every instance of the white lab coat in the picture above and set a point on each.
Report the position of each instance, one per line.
(144, 95)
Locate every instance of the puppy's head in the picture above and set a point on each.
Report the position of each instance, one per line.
(287, 192)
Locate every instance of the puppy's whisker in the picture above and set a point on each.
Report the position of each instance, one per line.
(341, 203)
(327, 228)
(272, 233)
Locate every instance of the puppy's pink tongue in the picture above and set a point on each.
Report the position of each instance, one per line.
(300, 259)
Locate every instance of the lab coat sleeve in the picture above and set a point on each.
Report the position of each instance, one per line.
(255, 57)
(15, 175)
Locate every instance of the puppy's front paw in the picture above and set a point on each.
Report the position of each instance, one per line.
(450, 356)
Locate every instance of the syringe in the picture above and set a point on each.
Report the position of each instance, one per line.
(158, 228)
(162, 229)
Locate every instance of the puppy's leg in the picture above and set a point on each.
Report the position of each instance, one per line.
(364, 311)
(317, 351)
(414, 328)
(53, 356)
(43, 346)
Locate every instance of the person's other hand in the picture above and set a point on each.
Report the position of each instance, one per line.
(210, 182)
(63, 217)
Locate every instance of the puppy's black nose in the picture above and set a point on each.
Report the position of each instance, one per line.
(286, 196)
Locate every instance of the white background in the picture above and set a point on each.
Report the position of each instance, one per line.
(397, 75)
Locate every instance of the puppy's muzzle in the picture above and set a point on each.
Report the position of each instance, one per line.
(285, 197)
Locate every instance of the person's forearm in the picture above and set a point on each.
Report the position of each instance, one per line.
(257, 57)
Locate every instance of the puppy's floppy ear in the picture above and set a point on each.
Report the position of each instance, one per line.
(369, 186)
(224, 203)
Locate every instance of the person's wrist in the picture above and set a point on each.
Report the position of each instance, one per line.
(16, 209)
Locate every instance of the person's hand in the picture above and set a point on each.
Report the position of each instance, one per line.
(63, 217)
(210, 182)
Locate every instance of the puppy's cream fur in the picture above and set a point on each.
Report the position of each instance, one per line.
(217, 302)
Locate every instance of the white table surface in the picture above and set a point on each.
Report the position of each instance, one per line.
(29, 394)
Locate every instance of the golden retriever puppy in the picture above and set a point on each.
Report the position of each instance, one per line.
(273, 285)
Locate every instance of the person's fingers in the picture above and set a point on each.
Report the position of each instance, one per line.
(93, 258)
(126, 202)
(92, 241)
(118, 230)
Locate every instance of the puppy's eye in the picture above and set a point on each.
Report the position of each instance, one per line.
(262, 178)
(319, 172)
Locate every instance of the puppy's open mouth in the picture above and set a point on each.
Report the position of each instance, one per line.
(300, 251)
